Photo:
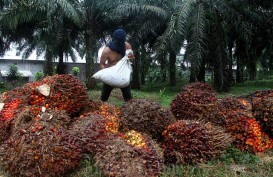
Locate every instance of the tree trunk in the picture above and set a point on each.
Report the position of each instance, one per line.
(143, 66)
(61, 67)
(202, 72)
(252, 70)
(239, 71)
(163, 66)
(135, 83)
(48, 67)
(172, 67)
(230, 71)
(90, 65)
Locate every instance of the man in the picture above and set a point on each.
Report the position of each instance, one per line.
(112, 53)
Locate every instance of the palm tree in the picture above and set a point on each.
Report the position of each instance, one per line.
(42, 25)
(203, 24)
(102, 17)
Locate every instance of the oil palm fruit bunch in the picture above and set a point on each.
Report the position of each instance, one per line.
(67, 93)
(91, 106)
(40, 145)
(247, 133)
(27, 121)
(122, 157)
(43, 155)
(111, 114)
(231, 104)
(241, 124)
(197, 101)
(59, 92)
(262, 107)
(89, 133)
(146, 116)
(190, 142)
(7, 114)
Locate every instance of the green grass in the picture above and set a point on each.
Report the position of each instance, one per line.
(163, 93)
(248, 87)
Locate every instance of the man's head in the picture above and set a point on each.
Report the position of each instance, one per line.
(118, 42)
(119, 36)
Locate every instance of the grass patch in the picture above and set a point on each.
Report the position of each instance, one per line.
(87, 169)
(248, 88)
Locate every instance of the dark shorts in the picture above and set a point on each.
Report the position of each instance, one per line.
(107, 89)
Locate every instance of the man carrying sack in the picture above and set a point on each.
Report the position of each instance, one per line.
(115, 66)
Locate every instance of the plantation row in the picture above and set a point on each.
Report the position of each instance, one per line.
(47, 126)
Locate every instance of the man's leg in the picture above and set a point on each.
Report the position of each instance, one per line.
(106, 91)
(126, 92)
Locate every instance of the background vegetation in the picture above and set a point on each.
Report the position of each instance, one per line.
(225, 41)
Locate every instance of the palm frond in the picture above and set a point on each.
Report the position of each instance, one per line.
(72, 54)
(220, 62)
(147, 10)
(174, 36)
(12, 17)
(69, 11)
(195, 40)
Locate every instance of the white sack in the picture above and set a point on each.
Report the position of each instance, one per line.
(118, 75)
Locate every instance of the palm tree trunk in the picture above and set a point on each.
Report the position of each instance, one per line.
(202, 72)
(142, 73)
(48, 67)
(61, 68)
(135, 84)
(143, 66)
(252, 69)
(90, 65)
(172, 67)
(230, 72)
(239, 71)
(163, 65)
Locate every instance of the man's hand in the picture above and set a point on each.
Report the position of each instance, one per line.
(131, 56)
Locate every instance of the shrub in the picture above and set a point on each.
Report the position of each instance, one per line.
(39, 75)
(75, 71)
(13, 74)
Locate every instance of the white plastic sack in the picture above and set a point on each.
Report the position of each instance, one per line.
(118, 75)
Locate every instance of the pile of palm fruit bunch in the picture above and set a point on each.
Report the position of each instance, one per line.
(98, 133)
(197, 101)
(262, 107)
(35, 118)
(128, 148)
(146, 116)
(242, 125)
(191, 142)
(49, 124)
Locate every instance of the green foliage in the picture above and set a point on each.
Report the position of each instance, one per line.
(13, 73)
(161, 92)
(87, 169)
(2, 85)
(75, 71)
(39, 75)
(235, 156)
(153, 74)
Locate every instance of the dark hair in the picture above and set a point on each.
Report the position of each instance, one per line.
(118, 42)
